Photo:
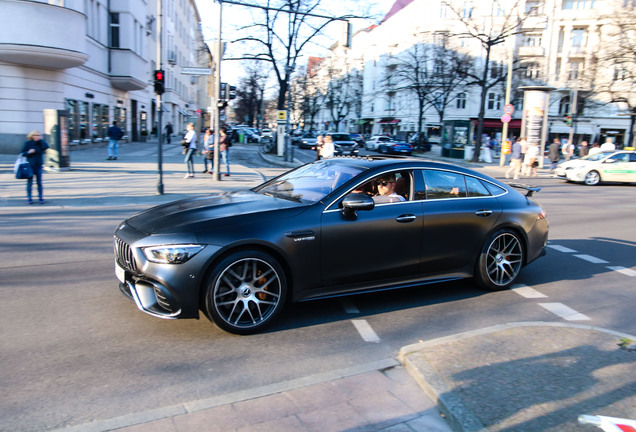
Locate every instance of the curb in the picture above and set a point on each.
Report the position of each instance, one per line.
(449, 403)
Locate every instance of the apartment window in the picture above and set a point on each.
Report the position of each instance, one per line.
(557, 71)
(578, 4)
(533, 70)
(496, 69)
(534, 8)
(443, 11)
(629, 3)
(440, 39)
(114, 30)
(494, 101)
(564, 105)
(620, 73)
(467, 11)
(532, 40)
(461, 101)
(579, 39)
(575, 70)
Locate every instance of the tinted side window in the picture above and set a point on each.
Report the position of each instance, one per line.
(476, 188)
(444, 184)
(494, 189)
(632, 157)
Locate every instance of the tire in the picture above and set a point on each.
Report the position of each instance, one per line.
(500, 261)
(592, 178)
(246, 292)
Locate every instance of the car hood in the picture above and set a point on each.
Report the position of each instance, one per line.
(185, 215)
(577, 164)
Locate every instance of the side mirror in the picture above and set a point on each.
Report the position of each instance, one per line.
(356, 201)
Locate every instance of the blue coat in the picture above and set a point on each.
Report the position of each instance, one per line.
(35, 159)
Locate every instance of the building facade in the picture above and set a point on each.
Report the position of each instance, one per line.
(554, 43)
(94, 60)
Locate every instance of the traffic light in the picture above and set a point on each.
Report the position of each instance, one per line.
(223, 92)
(231, 92)
(567, 119)
(160, 81)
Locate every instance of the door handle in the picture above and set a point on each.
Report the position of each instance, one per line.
(406, 218)
(483, 213)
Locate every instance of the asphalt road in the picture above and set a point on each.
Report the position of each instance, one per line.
(75, 350)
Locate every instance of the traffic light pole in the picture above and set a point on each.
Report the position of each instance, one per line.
(217, 93)
(159, 108)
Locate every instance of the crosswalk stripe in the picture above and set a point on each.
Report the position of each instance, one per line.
(565, 312)
(365, 330)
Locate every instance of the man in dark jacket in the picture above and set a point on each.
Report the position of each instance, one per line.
(554, 153)
(114, 135)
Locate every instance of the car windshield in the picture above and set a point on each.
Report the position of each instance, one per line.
(310, 183)
(341, 137)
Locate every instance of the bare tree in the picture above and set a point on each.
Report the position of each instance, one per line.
(249, 95)
(309, 97)
(286, 29)
(490, 28)
(614, 70)
(344, 88)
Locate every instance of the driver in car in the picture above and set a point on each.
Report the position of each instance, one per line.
(386, 190)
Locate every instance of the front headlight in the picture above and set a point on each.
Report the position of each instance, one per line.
(171, 254)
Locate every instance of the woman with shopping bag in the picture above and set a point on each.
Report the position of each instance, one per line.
(33, 149)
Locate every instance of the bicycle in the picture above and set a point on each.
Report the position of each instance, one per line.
(267, 145)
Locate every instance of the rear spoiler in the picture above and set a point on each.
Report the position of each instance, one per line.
(530, 189)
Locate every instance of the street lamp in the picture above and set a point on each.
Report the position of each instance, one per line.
(289, 156)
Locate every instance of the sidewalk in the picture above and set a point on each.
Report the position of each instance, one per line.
(531, 377)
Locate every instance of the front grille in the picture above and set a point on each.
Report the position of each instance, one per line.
(124, 255)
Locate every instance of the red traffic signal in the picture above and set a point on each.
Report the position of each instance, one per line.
(160, 81)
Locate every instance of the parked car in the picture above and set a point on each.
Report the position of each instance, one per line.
(395, 147)
(343, 144)
(298, 139)
(608, 166)
(240, 256)
(358, 138)
(308, 140)
(425, 144)
(266, 133)
(374, 142)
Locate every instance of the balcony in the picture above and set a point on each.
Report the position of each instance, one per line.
(534, 22)
(42, 35)
(531, 51)
(128, 71)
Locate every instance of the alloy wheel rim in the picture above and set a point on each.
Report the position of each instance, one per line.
(247, 292)
(504, 259)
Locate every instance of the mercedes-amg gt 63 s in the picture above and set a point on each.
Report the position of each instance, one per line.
(332, 227)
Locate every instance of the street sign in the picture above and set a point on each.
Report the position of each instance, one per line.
(281, 116)
(196, 71)
(505, 118)
(509, 109)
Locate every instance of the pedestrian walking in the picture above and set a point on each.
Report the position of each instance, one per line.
(608, 145)
(318, 146)
(515, 160)
(532, 157)
(114, 135)
(327, 150)
(584, 149)
(595, 149)
(567, 150)
(33, 149)
(208, 151)
(524, 150)
(554, 153)
(225, 142)
(190, 139)
(169, 131)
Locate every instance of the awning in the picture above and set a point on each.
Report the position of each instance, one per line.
(580, 129)
(389, 121)
(491, 123)
(362, 121)
(184, 112)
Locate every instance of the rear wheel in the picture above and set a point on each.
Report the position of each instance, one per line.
(246, 292)
(500, 261)
(592, 178)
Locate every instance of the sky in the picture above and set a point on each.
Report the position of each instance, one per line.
(234, 16)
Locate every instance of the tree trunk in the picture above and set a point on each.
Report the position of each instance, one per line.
(482, 107)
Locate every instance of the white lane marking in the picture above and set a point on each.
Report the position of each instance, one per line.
(526, 291)
(348, 306)
(365, 330)
(561, 248)
(564, 312)
(591, 259)
(623, 270)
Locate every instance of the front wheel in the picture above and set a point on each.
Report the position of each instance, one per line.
(592, 178)
(246, 292)
(500, 261)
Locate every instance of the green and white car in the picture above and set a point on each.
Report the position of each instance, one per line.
(607, 166)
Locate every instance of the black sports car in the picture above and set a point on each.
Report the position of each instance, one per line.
(333, 227)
